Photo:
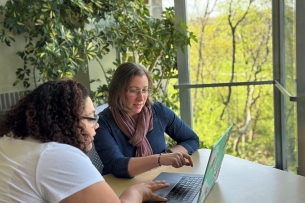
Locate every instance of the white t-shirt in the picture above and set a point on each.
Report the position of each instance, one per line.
(32, 172)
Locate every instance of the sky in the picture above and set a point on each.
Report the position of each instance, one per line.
(194, 7)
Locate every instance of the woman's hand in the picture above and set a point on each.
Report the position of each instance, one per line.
(176, 159)
(144, 191)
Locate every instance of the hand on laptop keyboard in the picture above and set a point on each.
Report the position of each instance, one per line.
(145, 191)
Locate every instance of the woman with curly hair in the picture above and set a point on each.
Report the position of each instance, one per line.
(43, 141)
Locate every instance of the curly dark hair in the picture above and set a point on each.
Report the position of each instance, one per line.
(51, 112)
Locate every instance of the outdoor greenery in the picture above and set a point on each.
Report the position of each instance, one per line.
(234, 50)
(235, 45)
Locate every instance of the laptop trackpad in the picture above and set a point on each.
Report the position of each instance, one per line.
(164, 191)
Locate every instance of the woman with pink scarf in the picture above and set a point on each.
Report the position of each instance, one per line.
(130, 137)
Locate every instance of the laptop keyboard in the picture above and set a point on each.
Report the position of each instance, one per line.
(185, 190)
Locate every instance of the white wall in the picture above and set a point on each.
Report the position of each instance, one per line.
(9, 62)
(95, 70)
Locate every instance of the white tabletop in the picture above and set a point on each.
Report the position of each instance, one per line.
(239, 181)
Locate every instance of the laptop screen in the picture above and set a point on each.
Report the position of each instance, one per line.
(214, 164)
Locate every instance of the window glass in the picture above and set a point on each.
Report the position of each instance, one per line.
(234, 45)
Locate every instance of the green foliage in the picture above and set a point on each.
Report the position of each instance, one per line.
(63, 36)
(58, 45)
(5, 36)
(153, 43)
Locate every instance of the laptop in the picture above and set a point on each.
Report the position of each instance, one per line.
(194, 188)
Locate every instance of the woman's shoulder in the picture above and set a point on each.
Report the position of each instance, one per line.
(160, 107)
(68, 166)
(65, 156)
(35, 146)
(55, 147)
(106, 120)
(105, 114)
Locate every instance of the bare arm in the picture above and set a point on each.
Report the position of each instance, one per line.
(102, 192)
(93, 194)
(138, 165)
(143, 192)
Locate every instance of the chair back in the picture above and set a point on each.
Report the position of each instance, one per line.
(100, 108)
(95, 159)
(92, 154)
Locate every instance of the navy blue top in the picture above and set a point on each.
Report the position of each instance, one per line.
(115, 151)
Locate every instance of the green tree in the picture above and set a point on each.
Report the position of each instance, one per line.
(234, 46)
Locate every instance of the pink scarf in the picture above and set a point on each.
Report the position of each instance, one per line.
(136, 131)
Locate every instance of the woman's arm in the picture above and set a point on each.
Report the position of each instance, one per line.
(71, 177)
(187, 140)
(109, 143)
(143, 192)
(98, 192)
(140, 165)
(101, 192)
